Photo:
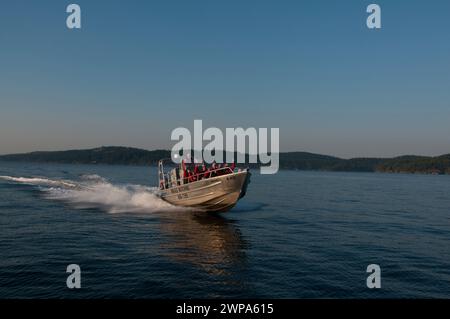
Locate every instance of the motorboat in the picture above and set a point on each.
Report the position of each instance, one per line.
(216, 189)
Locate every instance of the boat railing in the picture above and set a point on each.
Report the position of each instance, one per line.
(168, 182)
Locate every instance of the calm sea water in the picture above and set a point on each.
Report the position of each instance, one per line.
(295, 235)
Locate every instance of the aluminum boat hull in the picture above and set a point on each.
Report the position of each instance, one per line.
(215, 194)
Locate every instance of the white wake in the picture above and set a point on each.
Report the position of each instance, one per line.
(93, 191)
(38, 181)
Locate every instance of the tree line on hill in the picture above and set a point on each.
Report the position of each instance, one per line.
(115, 155)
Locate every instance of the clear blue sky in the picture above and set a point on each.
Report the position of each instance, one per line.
(138, 69)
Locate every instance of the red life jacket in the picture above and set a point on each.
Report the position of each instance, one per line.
(191, 177)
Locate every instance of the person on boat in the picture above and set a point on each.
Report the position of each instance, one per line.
(214, 168)
(185, 175)
(220, 169)
(206, 172)
(192, 177)
(225, 169)
(196, 172)
(232, 167)
(201, 171)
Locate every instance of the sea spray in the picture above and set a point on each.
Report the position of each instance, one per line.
(93, 191)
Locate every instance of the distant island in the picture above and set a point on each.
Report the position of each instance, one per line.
(115, 155)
